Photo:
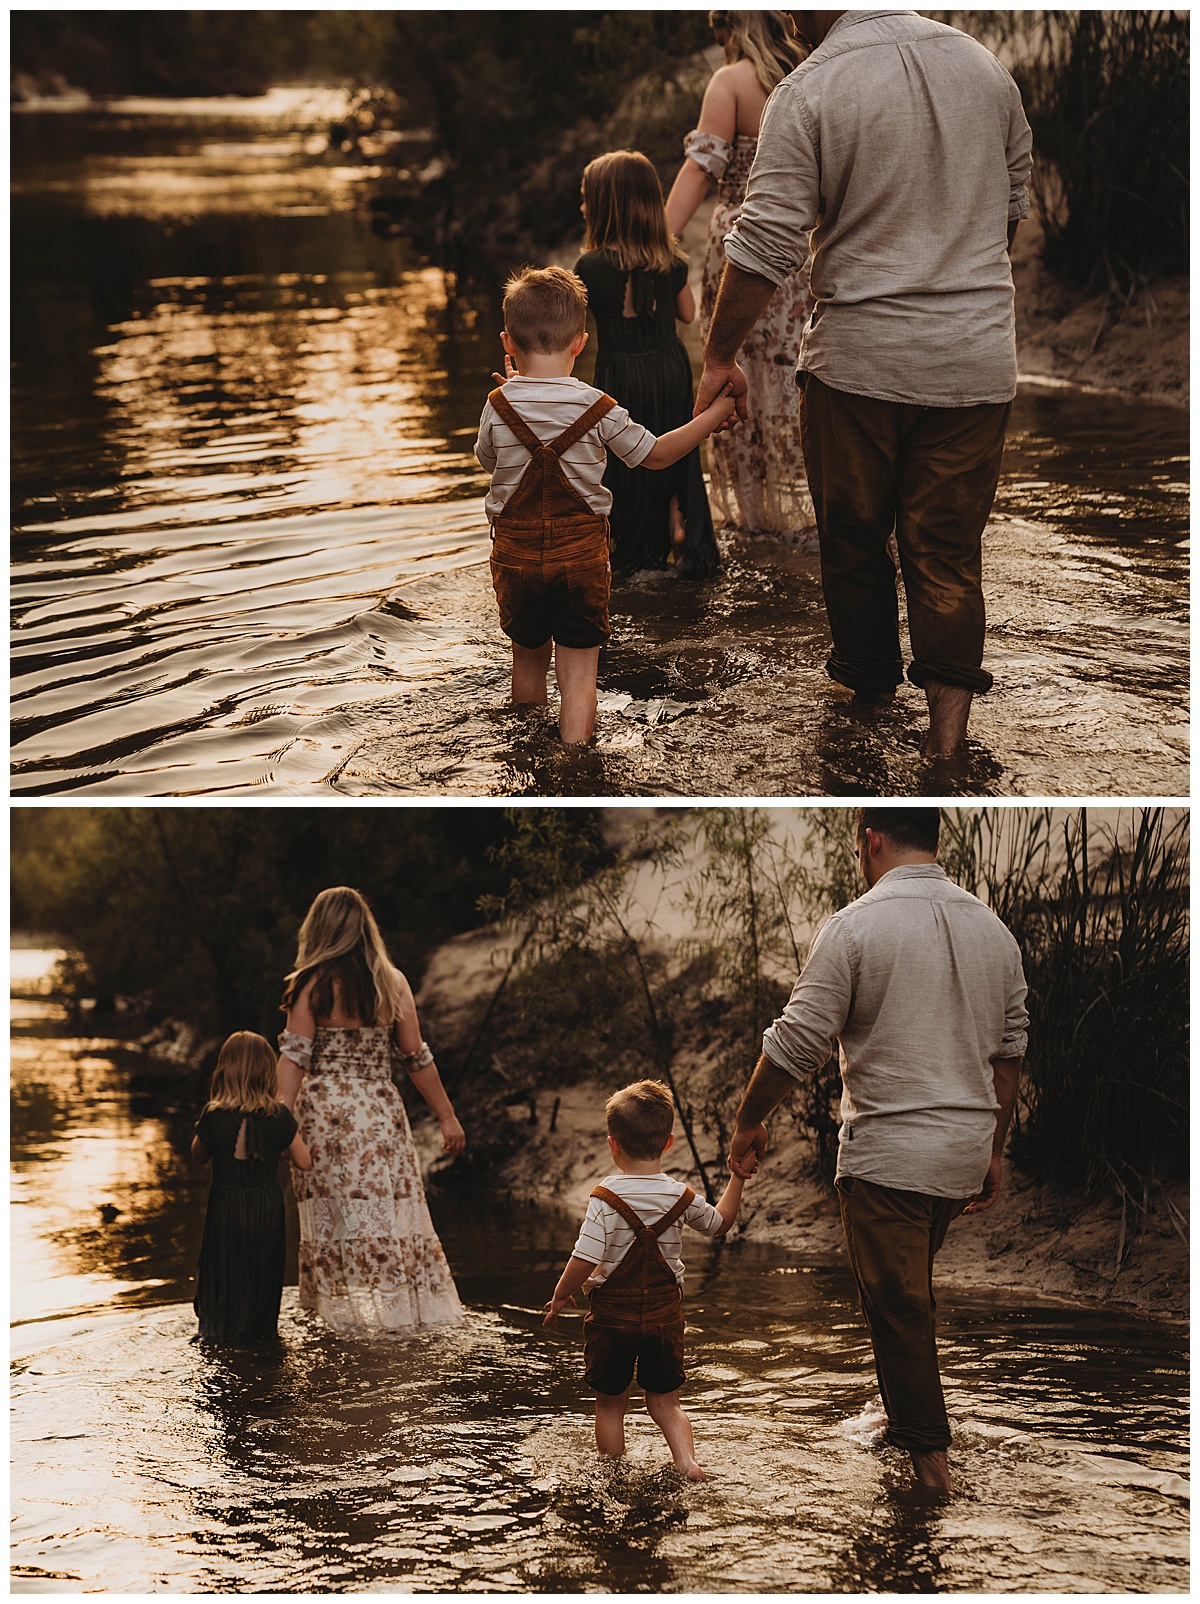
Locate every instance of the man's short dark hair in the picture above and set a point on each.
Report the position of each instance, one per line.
(914, 828)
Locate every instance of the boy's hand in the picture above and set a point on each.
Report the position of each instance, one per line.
(722, 408)
(552, 1309)
(509, 371)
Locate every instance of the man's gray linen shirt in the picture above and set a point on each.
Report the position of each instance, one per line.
(903, 144)
(922, 987)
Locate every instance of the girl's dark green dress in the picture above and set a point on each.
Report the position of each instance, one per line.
(240, 1275)
(642, 363)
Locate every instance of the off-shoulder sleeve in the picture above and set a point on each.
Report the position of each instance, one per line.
(298, 1048)
(709, 152)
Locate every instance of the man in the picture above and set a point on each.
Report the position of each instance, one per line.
(921, 986)
(902, 145)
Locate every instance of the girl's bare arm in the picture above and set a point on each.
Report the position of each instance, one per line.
(298, 1153)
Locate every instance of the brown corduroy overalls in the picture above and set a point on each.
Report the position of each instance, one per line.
(636, 1315)
(550, 563)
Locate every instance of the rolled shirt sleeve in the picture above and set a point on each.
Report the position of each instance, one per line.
(802, 1039)
(783, 194)
(1019, 155)
(1016, 1018)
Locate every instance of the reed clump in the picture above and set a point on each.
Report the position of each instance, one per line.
(1107, 97)
(1101, 915)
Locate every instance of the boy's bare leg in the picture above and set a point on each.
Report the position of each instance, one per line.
(530, 667)
(610, 1423)
(575, 669)
(677, 1429)
(949, 710)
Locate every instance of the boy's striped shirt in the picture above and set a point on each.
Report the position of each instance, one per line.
(605, 1238)
(549, 406)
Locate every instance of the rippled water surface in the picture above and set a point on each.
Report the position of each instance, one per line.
(250, 553)
(464, 1462)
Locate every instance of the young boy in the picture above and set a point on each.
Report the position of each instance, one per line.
(627, 1260)
(542, 438)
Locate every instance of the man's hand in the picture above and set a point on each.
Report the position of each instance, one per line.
(746, 1150)
(990, 1190)
(713, 381)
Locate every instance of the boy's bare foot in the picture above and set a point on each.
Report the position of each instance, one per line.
(692, 1471)
(932, 1470)
(949, 710)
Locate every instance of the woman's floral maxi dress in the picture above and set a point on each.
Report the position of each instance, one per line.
(759, 485)
(370, 1259)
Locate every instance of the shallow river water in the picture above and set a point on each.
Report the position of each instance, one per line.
(463, 1461)
(250, 554)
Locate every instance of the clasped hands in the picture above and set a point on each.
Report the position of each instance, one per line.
(723, 378)
(746, 1151)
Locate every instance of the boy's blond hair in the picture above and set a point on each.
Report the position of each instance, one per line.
(640, 1118)
(544, 309)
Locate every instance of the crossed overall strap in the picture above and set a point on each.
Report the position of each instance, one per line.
(680, 1206)
(602, 405)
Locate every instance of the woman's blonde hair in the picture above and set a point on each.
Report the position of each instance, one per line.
(339, 938)
(626, 214)
(246, 1076)
(764, 38)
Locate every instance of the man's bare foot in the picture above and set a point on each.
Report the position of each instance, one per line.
(949, 710)
(932, 1470)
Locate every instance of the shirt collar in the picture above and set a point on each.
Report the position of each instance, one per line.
(849, 18)
(913, 871)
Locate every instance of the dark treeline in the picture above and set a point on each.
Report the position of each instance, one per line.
(200, 52)
(518, 101)
(193, 914)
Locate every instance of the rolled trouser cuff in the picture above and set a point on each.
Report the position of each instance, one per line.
(870, 678)
(918, 1439)
(976, 680)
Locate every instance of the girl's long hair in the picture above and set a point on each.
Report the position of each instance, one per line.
(340, 941)
(764, 38)
(246, 1076)
(626, 214)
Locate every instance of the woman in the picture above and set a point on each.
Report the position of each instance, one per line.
(370, 1259)
(758, 479)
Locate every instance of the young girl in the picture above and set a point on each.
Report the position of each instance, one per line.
(636, 279)
(243, 1129)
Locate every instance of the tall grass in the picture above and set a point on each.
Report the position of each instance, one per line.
(1107, 96)
(1101, 915)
